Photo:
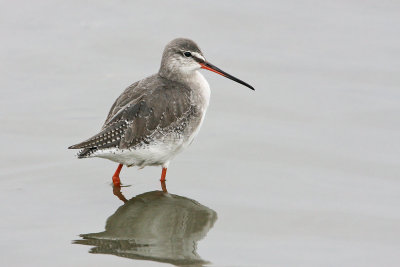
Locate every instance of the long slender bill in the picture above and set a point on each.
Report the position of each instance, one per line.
(208, 66)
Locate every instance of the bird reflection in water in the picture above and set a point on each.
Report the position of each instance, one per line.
(154, 226)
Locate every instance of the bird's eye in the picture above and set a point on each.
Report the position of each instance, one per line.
(187, 54)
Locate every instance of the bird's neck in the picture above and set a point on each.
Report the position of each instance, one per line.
(196, 82)
(177, 75)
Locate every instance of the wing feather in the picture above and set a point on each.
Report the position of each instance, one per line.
(144, 108)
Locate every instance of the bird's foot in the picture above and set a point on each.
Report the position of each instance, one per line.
(116, 181)
(115, 178)
(163, 186)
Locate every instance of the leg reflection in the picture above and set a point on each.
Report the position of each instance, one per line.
(117, 192)
(117, 189)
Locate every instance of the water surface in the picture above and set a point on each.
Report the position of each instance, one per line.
(302, 172)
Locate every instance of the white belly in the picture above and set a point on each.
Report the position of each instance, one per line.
(152, 155)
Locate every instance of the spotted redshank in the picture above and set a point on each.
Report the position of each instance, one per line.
(156, 118)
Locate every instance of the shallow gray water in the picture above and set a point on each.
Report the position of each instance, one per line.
(302, 172)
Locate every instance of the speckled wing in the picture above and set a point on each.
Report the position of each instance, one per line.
(141, 113)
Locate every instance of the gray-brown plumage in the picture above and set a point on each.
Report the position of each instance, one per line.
(141, 113)
(156, 118)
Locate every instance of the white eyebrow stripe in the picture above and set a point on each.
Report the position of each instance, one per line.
(198, 55)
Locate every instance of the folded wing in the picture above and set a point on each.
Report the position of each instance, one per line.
(142, 113)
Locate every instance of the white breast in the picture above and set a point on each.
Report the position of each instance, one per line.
(200, 98)
(204, 89)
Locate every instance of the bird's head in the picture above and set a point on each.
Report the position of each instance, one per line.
(182, 57)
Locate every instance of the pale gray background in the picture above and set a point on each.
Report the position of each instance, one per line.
(302, 172)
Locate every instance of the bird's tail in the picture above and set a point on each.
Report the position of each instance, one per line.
(107, 138)
(86, 148)
(86, 152)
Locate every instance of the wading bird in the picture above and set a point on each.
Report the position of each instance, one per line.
(156, 118)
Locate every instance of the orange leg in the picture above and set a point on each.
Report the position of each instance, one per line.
(162, 180)
(163, 174)
(115, 178)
